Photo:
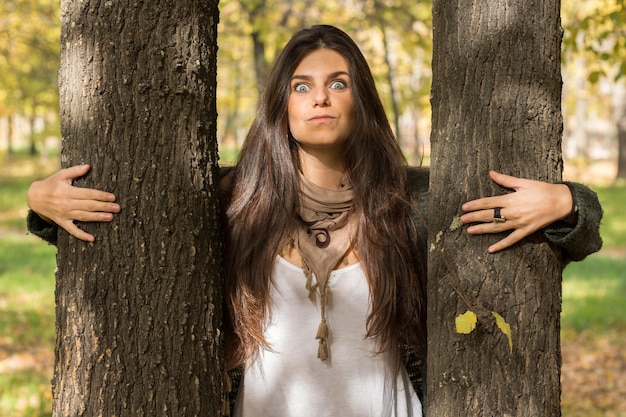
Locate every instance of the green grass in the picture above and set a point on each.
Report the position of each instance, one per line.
(29, 395)
(26, 325)
(594, 291)
(613, 230)
(25, 394)
(26, 297)
(594, 294)
(12, 200)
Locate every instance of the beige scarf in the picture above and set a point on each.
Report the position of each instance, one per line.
(323, 238)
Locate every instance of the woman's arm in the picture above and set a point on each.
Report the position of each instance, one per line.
(54, 202)
(569, 214)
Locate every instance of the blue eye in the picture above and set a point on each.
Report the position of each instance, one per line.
(301, 88)
(338, 85)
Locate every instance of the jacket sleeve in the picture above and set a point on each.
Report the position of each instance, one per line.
(583, 238)
(41, 228)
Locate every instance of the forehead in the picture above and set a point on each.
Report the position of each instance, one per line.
(321, 61)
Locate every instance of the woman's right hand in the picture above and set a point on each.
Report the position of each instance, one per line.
(56, 200)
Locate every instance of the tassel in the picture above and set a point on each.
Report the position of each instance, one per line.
(313, 294)
(309, 282)
(308, 274)
(322, 331)
(322, 350)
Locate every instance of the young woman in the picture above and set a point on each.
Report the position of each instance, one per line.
(325, 252)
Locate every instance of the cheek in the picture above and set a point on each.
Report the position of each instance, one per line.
(292, 117)
(351, 119)
(290, 113)
(292, 124)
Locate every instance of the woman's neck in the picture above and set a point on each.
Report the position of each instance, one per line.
(323, 170)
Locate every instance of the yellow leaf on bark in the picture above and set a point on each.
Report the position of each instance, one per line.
(465, 322)
(505, 327)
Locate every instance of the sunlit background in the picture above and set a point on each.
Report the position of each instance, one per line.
(396, 38)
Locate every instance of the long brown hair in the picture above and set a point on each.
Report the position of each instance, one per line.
(263, 196)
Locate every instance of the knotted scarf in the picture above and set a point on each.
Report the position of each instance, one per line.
(323, 237)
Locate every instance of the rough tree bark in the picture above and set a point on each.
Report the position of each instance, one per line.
(496, 105)
(138, 311)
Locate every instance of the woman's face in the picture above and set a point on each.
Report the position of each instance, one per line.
(320, 107)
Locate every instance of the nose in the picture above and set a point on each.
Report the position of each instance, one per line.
(320, 98)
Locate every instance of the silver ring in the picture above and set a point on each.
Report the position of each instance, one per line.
(497, 216)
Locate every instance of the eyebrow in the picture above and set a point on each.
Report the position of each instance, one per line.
(308, 77)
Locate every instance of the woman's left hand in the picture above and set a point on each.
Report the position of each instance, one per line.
(533, 206)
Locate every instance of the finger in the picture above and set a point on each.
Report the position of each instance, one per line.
(485, 216)
(506, 181)
(70, 192)
(508, 241)
(482, 204)
(90, 216)
(488, 227)
(78, 233)
(488, 203)
(90, 205)
(98, 195)
(479, 216)
(90, 194)
(71, 173)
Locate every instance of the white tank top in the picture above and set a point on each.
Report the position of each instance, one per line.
(290, 381)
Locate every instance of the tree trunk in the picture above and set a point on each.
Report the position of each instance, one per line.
(621, 147)
(32, 151)
(138, 311)
(390, 80)
(620, 121)
(260, 64)
(256, 9)
(10, 137)
(496, 105)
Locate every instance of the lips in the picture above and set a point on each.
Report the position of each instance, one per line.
(322, 117)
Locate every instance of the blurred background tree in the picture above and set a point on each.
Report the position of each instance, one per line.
(29, 61)
(594, 73)
(395, 36)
